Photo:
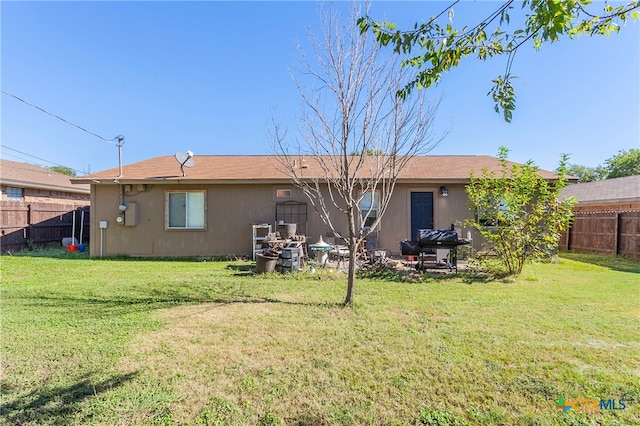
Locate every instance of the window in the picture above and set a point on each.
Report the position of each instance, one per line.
(283, 193)
(369, 208)
(14, 193)
(186, 210)
(495, 212)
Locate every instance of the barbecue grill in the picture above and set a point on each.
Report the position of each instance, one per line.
(430, 239)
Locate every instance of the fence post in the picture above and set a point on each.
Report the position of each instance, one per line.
(27, 229)
(617, 234)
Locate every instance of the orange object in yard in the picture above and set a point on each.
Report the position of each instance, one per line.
(72, 248)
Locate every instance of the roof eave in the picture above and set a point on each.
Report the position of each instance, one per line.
(177, 180)
(31, 185)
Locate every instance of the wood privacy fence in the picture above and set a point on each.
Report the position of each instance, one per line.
(26, 224)
(604, 232)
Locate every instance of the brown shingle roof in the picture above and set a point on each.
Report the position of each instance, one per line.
(605, 191)
(251, 168)
(23, 175)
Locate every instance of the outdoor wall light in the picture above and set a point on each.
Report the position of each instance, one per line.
(122, 207)
(444, 192)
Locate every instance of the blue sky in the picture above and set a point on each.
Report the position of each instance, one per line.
(205, 76)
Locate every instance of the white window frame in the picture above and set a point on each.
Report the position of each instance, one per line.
(280, 193)
(363, 211)
(15, 194)
(197, 226)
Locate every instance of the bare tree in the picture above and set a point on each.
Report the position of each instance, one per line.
(356, 134)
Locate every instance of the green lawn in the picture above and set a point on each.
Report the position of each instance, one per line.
(185, 342)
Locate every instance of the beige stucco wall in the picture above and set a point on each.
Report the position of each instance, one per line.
(231, 209)
(396, 223)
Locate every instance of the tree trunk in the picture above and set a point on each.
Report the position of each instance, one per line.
(351, 276)
(353, 251)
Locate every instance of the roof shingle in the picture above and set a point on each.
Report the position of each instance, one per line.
(251, 168)
(24, 175)
(605, 191)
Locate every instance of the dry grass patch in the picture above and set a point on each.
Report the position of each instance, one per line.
(260, 357)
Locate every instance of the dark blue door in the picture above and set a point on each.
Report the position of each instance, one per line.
(421, 212)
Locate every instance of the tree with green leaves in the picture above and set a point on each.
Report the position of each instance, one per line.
(518, 211)
(434, 47)
(624, 163)
(63, 170)
(586, 173)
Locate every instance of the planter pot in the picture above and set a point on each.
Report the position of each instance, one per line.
(265, 264)
(287, 230)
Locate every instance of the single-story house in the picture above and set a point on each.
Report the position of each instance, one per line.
(37, 205)
(152, 209)
(31, 183)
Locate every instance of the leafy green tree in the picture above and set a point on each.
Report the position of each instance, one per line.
(64, 170)
(518, 211)
(625, 163)
(587, 174)
(434, 48)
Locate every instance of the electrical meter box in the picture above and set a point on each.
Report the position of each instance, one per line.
(131, 215)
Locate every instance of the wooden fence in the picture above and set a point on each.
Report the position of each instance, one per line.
(604, 232)
(24, 224)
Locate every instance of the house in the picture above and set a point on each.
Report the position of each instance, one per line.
(609, 194)
(37, 205)
(606, 217)
(152, 209)
(30, 183)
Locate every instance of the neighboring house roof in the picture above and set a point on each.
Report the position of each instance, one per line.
(263, 168)
(23, 175)
(605, 191)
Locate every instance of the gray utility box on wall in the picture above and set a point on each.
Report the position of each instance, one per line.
(131, 215)
(290, 259)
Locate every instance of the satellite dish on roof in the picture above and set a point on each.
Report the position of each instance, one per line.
(185, 159)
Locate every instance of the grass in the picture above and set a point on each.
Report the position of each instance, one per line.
(126, 341)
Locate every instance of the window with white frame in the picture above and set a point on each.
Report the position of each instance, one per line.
(186, 209)
(369, 208)
(283, 193)
(14, 193)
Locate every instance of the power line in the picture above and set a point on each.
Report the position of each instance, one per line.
(42, 159)
(111, 141)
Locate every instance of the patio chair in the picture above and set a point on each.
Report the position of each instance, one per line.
(339, 253)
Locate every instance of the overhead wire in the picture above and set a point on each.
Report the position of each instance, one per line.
(111, 141)
(41, 159)
(35, 168)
